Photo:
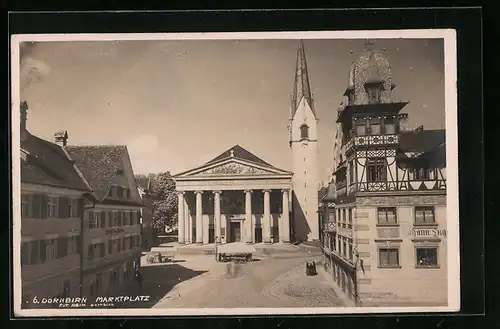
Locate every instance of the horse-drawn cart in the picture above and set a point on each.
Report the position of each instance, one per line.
(160, 255)
(235, 252)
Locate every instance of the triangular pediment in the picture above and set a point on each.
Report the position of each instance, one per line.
(233, 167)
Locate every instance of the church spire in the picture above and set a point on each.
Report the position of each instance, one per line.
(301, 87)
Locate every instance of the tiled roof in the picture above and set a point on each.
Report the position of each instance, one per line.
(330, 194)
(241, 153)
(322, 192)
(102, 166)
(421, 141)
(47, 164)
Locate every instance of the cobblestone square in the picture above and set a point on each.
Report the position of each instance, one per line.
(198, 281)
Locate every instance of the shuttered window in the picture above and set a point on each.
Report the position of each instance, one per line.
(25, 253)
(51, 207)
(63, 209)
(34, 251)
(62, 247)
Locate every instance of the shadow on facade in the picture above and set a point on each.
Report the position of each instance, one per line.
(299, 221)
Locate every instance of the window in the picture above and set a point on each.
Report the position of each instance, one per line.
(386, 215)
(73, 208)
(50, 249)
(126, 218)
(25, 253)
(374, 126)
(376, 170)
(350, 215)
(51, 207)
(331, 217)
(34, 252)
(25, 205)
(72, 245)
(388, 257)
(103, 219)
(423, 174)
(119, 191)
(128, 193)
(119, 218)
(91, 251)
(351, 172)
(304, 132)
(427, 257)
(424, 215)
(350, 252)
(93, 220)
(110, 246)
(111, 219)
(360, 127)
(373, 95)
(389, 126)
(343, 215)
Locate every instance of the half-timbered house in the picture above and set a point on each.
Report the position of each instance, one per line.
(388, 234)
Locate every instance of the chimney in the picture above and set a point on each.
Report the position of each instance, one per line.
(24, 116)
(61, 138)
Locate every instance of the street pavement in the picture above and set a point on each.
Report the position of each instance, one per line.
(276, 280)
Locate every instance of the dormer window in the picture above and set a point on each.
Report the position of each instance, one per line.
(373, 94)
(128, 193)
(304, 131)
(119, 191)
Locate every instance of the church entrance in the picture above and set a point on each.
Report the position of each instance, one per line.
(258, 233)
(235, 231)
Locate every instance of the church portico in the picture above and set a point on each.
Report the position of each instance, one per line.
(236, 197)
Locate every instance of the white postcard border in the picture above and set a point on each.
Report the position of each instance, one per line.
(451, 110)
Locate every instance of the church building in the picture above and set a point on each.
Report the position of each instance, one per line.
(384, 232)
(238, 197)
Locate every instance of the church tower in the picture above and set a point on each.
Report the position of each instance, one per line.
(304, 145)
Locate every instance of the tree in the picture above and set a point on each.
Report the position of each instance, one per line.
(164, 200)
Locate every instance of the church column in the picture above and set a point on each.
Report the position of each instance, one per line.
(285, 220)
(188, 225)
(217, 221)
(199, 218)
(248, 217)
(181, 219)
(266, 219)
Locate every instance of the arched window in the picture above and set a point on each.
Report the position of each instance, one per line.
(304, 131)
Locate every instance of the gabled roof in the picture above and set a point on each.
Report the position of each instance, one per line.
(104, 166)
(240, 153)
(235, 160)
(46, 163)
(421, 140)
(330, 193)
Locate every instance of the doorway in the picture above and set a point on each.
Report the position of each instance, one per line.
(235, 231)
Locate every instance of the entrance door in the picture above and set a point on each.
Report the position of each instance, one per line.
(235, 231)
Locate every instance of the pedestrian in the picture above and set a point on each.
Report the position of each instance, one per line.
(138, 278)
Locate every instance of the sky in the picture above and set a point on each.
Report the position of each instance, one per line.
(177, 104)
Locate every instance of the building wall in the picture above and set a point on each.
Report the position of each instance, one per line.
(125, 239)
(405, 282)
(304, 179)
(50, 251)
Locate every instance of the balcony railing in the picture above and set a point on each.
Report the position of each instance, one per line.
(375, 140)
